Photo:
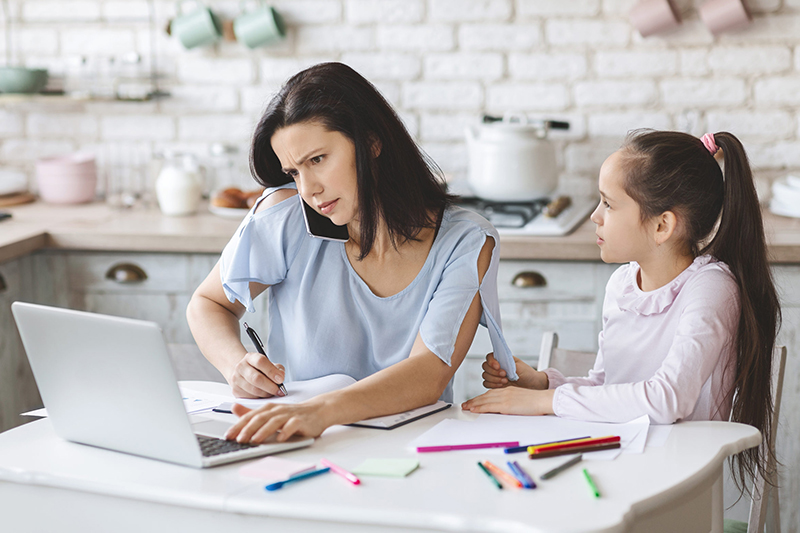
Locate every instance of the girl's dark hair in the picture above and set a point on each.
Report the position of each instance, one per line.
(673, 171)
(402, 185)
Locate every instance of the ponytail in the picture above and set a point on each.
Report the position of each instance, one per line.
(740, 243)
(673, 171)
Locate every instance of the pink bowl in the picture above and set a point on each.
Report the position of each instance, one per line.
(70, 179)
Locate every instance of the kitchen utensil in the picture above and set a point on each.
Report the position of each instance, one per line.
(511, 159)
(22, 80)
(654, 16)
(11, 183)
(724, 15)
(70, 179)
(258, 27)
(8, 200)
(201, 27)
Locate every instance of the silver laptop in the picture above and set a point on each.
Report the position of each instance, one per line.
(108, 382)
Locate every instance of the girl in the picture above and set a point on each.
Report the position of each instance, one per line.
(689, 322)
(395, 306)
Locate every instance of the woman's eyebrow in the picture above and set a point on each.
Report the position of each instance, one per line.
(303, 159)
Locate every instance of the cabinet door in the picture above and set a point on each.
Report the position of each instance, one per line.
(18, 391)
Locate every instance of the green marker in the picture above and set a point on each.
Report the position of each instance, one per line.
(590, 481)
(494, 479)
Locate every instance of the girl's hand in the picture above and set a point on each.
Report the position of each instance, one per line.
(494, 377)
(512, 401)
(307, 419)
(254, 376)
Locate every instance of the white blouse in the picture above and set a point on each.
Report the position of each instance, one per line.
(667, 353)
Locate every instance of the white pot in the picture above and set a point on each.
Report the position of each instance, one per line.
(178, 190)
(511, 160)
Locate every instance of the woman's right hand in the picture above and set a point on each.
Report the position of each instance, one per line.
(254, 376)
(494, 377)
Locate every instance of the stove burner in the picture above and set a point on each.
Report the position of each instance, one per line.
(504, 214)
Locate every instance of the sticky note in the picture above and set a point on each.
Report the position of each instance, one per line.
(274, 468)
(386, 467)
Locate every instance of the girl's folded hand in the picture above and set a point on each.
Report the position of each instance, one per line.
(494, 377)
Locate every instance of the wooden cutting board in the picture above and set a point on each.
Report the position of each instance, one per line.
(16, 199)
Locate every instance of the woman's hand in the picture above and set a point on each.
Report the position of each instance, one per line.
(512, 401)
(307, 419)
(254, 376)
(494, 377)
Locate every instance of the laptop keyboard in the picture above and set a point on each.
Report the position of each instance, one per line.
(211, 446)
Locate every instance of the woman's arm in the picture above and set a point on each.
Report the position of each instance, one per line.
(414, 382)
(214, 322)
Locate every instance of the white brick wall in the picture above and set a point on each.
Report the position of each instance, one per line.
(442, 63)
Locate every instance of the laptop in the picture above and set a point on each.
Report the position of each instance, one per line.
(108, 382)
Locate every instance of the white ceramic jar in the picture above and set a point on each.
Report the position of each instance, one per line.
(511, 160)
(178, 187)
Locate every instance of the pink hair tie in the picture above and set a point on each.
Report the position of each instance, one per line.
(708, 142)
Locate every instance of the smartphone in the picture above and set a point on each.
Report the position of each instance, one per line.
(322, 227)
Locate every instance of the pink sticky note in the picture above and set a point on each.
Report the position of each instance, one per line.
(274, 468)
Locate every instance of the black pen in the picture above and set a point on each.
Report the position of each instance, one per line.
(260, 347)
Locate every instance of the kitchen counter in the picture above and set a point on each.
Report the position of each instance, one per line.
(98, 227)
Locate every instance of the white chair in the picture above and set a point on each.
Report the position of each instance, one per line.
(765, 491)
(569, 362)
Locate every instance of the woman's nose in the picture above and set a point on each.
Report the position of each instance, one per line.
(307, 186)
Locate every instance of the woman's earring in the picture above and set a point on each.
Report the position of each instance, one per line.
(724, 15)
(654, 16)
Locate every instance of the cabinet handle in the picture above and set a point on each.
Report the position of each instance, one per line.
(529, 279)
(126, 273)
(3, 285)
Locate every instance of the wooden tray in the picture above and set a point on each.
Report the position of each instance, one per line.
(16, 199)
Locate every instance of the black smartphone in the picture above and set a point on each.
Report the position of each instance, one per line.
(4, 216)
(322, 227)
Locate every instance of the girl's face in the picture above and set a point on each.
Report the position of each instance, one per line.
(620, 233)
(323, 165)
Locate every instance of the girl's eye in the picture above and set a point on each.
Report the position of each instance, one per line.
(606, 204)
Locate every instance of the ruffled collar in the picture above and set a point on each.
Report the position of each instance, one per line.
(653, 302)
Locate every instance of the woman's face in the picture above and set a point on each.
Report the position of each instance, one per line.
(620, 233)
(323, 165)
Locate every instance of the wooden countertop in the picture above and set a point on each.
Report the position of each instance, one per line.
(98, 227)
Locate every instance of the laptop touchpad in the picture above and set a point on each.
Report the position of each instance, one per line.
(210, 427)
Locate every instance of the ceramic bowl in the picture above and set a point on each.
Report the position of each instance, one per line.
(22, 80)
(67, 180)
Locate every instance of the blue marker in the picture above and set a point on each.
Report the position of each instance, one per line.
(521, 475)
(298, 477)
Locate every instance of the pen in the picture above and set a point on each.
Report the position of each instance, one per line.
(298, 477)
(572, 444)
(590, 481)
(260, 347)
(518, 449)
(502, 475)
(341, 471)
(540, 454)
(494, 480)
(560, 468)
(423, 449)
(521, 475)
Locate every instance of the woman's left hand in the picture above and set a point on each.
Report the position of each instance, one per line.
(257, 425)
(512, 401)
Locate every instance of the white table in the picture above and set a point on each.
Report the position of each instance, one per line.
(47, 484)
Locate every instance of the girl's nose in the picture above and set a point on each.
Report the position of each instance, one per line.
(596, 218)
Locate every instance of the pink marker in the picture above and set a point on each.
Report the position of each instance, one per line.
(423, 449)
(341, 471)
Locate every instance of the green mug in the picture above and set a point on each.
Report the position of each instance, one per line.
(198, 28)
(259, 27)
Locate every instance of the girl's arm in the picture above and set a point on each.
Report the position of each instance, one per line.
(414, 382)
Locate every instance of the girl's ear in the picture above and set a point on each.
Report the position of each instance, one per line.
(665, 227)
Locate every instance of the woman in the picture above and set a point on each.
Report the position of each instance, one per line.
(396, 306)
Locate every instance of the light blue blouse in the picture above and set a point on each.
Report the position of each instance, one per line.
(323, 318)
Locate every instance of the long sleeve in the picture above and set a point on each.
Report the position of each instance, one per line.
(689, 342)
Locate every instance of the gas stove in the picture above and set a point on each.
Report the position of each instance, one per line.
(544, 217)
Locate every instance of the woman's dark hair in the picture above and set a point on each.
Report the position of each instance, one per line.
(401, 185)
(673, 171)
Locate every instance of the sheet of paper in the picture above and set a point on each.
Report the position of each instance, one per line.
(386, 467)
(198, 403)
(300, 391)
(532, 430)
(41, 412)
(274, 468)
(390, 421)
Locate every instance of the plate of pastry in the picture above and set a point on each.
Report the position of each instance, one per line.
(233, 202)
